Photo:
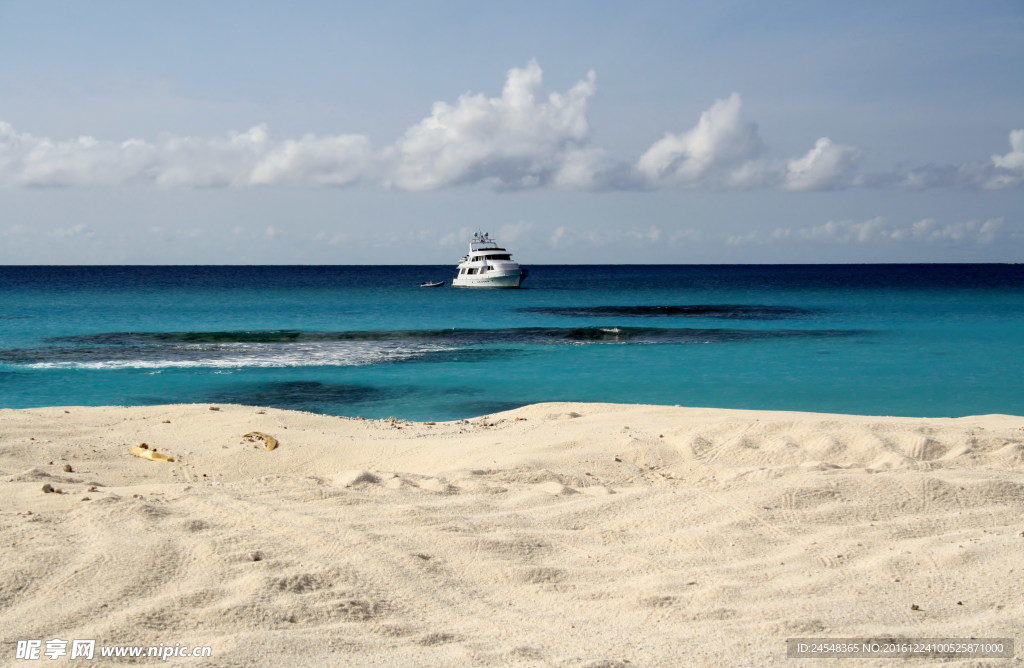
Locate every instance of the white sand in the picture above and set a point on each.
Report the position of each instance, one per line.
(555, 534)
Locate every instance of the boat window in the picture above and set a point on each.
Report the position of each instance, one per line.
(500, 256)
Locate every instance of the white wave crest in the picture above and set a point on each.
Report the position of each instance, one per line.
(255, 355)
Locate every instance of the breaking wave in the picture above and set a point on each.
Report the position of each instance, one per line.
(212, 356)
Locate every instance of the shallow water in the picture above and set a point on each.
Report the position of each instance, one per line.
(918, 340)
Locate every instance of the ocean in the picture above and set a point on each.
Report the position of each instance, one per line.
(907, 340)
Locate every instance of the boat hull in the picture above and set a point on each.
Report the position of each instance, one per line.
(494, 279)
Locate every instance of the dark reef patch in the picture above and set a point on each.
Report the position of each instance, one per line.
(729, 311)
(453, 336)
(303, 395)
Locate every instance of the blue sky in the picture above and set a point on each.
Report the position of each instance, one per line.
(386, 132)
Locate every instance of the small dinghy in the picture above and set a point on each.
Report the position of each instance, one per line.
(432, 284)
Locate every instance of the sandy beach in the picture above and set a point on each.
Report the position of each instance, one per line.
(551, 535)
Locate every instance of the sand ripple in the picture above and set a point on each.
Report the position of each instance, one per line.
(622, 535)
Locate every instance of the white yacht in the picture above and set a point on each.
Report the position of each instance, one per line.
(487, 265)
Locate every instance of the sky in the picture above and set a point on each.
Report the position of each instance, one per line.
(329, 132)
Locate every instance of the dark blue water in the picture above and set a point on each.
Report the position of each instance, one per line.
(918, 340)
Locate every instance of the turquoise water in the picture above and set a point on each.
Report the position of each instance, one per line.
(915, 340)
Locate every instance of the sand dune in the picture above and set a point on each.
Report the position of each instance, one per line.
(554, 534)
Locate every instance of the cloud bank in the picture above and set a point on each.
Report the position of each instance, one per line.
(880, 230)
(239, 159)
(521, 139)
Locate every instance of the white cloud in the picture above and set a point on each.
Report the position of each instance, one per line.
(512, 141)
(971, 231)
(653, 236)
(824, 167)
(318, 161)
(581, 169)
(1014, 160)
(999, 173)
(879, 230)
(522, 139)
(721, 138)
(724, 150)
(74, 232)
(31, 161)
(517, 140)
(688, 235)
(239, 159)
(187, 162)
(761, 173)
(1009, 168)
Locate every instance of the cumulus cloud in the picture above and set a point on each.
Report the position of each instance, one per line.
(512, 141)
(724, 150)
(239, 159)
(26, 160)
(999, 173)
(1008, 169)
(319, 161)
(189, 162)
(1014, 160)
(525, 138)
(721, 138)
(824, 167)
